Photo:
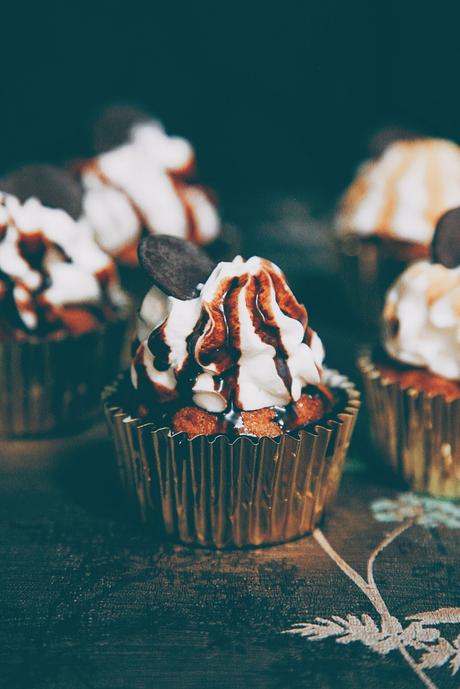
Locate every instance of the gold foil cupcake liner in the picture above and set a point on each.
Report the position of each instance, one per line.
(369, 267)
(217, 492)
(417, 434)
(53, 385)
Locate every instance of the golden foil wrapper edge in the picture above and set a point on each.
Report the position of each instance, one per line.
(220, 493)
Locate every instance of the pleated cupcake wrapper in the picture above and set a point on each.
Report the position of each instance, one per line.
(215, 492)
(417, 434)
(53, 385)
(367, 272)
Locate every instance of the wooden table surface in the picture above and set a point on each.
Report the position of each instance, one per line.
(89, 600)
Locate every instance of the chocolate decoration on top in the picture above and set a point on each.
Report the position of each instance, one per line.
(175, 265)
(445, 246)
(113, 127)
(52, 186)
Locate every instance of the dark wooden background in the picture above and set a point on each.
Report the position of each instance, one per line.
(88, 601)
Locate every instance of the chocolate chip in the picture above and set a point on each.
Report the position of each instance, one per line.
(445, 246)
(175, 265)
(386, 136)
(113, 126)
(51, 185)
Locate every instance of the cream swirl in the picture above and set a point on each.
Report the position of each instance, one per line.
(403, 193)
(142, 184)
(422, 318)
(49, 262)
(243, 342)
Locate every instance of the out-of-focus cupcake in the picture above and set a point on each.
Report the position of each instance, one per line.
(387, 216)
(229, 432)
(62, 320)
(143, 181)
(413, 385)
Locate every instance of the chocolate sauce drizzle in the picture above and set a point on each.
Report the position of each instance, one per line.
(32, 248)
(177, 180)
(215, 340)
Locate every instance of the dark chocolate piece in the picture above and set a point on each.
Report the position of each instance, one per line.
(175, 265)
(445, 246)
(51, 185)
(113, 126)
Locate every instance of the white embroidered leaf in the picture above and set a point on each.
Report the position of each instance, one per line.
(352, 628)
(320, 629)
(366, 631)
(439, 616)
(417, 636)
(436, 655)
(427, 512)
(455, 662)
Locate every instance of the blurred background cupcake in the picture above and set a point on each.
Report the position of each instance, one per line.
(229, 432)
(413, 385)
(143, 181)
(63, 316)
(387, 217)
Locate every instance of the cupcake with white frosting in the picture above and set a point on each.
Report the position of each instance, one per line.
(62, 319)
(413, 384)
(144, 184)
(231, 384)
(387, 217)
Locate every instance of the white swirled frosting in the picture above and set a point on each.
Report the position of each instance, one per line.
(403, 193)
(142, 185)
(244, 341)
(48, 261)
(422, 318)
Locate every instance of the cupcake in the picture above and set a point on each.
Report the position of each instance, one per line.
(62, 320)
(229, 431)
(413, 384)
(143, 182)
(387, 217)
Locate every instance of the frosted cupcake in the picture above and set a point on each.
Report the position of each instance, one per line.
(229, 431)
(413, 388)
(143, 182)
(62, 319)
(387, 217)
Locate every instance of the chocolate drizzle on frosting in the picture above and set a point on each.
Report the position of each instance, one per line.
(146, 185)
(402, 193)
(243, 344)
(49, 266)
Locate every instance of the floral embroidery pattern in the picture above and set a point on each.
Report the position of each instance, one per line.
(427, 512)
(418, 639)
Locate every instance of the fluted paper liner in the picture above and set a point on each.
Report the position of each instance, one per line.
(218, 492)
(416, 433)
(368, 269)
(53, 385)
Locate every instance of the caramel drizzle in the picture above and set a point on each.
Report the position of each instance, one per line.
(353, 197)
(435, 205)
(433, 185)
(387, 213)
(192, 225)
(176, 180)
